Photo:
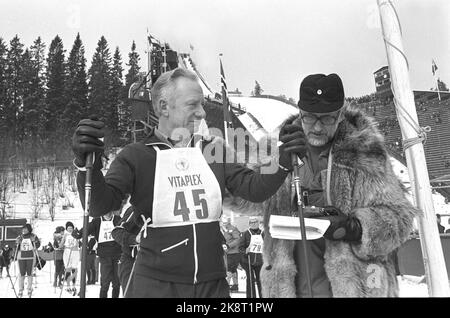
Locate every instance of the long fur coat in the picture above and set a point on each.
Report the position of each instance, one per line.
(363, 184)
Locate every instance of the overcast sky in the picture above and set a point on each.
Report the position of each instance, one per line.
(277, 42)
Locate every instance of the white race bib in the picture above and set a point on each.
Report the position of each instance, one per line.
(186, 190)
(106, 228)
(70, 241)
(256, 243)
(26, 245)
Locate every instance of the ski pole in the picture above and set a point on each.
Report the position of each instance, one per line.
(87, 203)
(129, 280)
(65, 274)
(298, 192)
(250, 275)
(9, 276)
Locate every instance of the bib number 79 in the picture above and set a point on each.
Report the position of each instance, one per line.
(180, 207)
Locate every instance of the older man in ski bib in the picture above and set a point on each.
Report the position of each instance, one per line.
(177, 190)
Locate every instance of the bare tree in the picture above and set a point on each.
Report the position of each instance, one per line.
(36, 203)
(49, 191)
(72, 180)
(6, 194)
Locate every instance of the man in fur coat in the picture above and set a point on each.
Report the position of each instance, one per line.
(365, 202)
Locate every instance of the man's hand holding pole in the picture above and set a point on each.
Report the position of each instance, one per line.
(88, 146)
(292, 149)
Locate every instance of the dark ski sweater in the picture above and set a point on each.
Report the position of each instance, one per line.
(200, 259)
(125, 235)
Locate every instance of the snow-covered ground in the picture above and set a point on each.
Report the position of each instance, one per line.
(410, 286)
(262, 109)
(43, 286)
(44, 228)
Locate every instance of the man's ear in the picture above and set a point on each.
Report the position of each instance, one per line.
(163, 107)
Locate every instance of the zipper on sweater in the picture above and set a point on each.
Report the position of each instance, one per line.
(175, 245)
(195, 254)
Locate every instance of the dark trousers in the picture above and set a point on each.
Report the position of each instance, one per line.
(97, 266)
(1, 269)
(125, 267)
(320, 284)
(146, 287)
(26, 266)
(254, 271)
(4, 263)
(109, 274)
(59, 272)
(90, 268)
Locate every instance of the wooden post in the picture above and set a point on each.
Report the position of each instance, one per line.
(433, 257)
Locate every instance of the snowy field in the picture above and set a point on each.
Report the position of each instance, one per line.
(43, 286)
(410, 286)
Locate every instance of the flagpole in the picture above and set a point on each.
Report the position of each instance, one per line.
(434, 69)
(225, 102)
(164, 58)
(149, 58)
(437, 88)
(433, 257)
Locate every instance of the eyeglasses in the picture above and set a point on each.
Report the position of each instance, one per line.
(325, 120)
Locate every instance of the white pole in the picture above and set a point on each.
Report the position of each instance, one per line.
(435, 270)
(437, 88)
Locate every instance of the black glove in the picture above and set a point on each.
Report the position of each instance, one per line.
(86, 140)
(294, 142)
(343, 227)
(77, 234)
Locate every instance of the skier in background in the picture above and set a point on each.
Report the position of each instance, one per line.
(71, 257)
(232, 239)
(5, 258)
(26, 248)
(90, 260)
(125, 234)
(108, 251)
(251, 247)
(58, 258)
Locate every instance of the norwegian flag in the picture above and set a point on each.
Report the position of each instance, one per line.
(153, 41)
(433, 67)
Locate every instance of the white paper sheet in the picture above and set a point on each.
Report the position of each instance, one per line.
(288, 227)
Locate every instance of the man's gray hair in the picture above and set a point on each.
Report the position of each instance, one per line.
(165, 82)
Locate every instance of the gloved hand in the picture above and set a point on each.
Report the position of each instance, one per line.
(86, 140)
(77, 234)
(343, 227)
(294, 142)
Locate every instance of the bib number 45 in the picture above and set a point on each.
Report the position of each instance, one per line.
(181, 208)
